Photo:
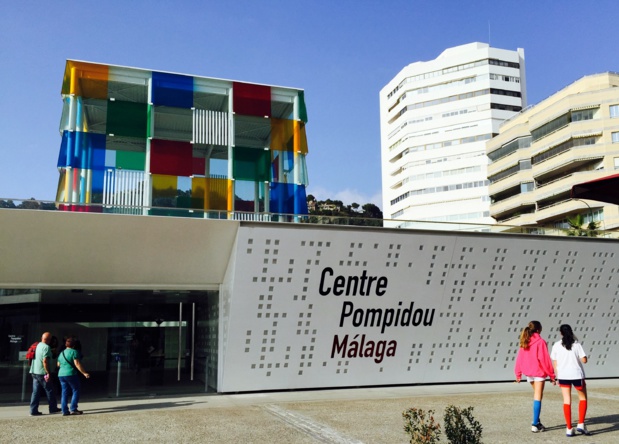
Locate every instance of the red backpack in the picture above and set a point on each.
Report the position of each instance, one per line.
(31, 352)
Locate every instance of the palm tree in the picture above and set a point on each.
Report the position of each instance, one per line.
(578, 226)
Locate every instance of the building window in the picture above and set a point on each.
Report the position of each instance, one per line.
(527, 187)
(614, 110)
(615, 137)
(558, 149)
(562, 121)
(616, 163)
(510, 147)
(586, 114)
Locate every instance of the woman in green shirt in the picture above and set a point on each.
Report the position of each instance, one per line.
(69, 368)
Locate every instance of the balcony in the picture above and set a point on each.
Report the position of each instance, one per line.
(559, 210)
(573, 159)
(524, 202)
(564, 184)
(510, 182)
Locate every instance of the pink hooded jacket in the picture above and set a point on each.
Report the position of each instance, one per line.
(535, 360)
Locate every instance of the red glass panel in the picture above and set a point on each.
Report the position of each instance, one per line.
(171, 158)
(251, 100)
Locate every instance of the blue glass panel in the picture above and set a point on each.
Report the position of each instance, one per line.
(97, 181)
(63, 161)
(98, 159)
(77, 149)
(288, 198)
(172, 90)
(96, 156)
(300, 200)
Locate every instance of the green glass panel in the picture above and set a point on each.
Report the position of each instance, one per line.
(127, 118)
(302, 108)
(251, 164)
(184, 202)
(130, 160)
(175, 212)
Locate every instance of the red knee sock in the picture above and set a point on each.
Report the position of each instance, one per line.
(567, 412)
(582, 411)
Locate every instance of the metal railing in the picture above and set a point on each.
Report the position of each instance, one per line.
(42, 205)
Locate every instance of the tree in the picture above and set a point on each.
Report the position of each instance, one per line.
(7, 204)
(31, 204)
(578, 226)
(342, 214)
(372, 211)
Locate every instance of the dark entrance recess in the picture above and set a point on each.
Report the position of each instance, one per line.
(135, 343)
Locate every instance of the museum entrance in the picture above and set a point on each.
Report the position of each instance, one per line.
(134, 343)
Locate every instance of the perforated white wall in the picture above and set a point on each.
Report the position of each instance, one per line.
(441, 307)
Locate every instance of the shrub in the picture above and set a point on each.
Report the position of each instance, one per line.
(461, 427)
(421, 426)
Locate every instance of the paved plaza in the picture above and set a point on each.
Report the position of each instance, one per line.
(363, 415)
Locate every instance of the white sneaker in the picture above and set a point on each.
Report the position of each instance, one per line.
(570, 432)
(583, 430)
(539, 427)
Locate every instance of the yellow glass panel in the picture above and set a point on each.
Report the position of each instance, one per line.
(216, 194)
(164, 186)
(282, 134)
(198, 191)
(61, 193)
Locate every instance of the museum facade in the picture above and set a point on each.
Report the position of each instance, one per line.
(167, 305)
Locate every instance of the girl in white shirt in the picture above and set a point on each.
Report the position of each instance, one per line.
(568, 358)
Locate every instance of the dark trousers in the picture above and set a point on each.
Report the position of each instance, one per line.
(39, 386)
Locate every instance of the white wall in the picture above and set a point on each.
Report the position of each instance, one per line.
(483, 288)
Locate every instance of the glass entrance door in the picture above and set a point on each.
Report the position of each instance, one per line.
(155, 348)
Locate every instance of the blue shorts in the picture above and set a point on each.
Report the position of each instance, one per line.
(578, 384)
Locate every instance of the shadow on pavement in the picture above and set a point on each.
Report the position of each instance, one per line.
(611, 423)
(142, 406)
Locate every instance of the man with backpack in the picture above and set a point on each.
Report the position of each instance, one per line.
(40, 371)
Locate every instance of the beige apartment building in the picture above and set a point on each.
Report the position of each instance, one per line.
(569, 138)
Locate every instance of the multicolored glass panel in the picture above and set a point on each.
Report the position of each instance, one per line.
(172, 132)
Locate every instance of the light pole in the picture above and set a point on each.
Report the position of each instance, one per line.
(588, 206)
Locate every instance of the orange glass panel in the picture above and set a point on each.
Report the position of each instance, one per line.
(86, 79)
(300, 138)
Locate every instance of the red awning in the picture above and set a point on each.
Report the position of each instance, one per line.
(604, 189)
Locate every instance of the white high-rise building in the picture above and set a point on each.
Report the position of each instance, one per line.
(435, 118)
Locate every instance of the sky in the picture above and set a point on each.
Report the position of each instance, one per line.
(341, 52)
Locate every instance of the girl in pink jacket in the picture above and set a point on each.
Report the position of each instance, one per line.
(533, 360)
